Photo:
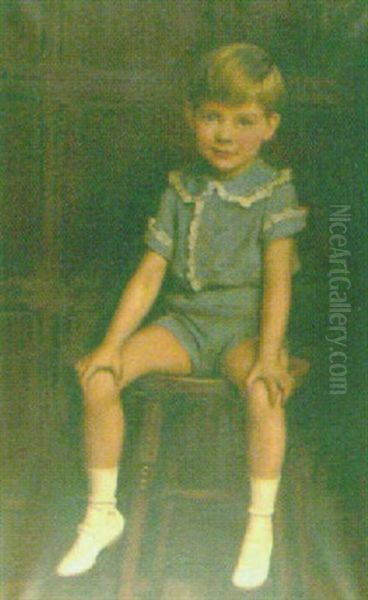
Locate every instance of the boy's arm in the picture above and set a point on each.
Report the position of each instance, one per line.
(278, 261)
(274, 318)
(136, 300)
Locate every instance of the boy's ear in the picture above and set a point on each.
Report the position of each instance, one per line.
(189, 114)
(274, 120)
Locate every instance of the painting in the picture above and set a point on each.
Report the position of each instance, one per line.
(93, 120)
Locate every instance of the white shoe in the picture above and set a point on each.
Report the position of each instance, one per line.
(100, 528)
(254, 560)
(253, 575)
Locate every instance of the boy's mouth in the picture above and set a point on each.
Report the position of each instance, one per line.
(223, 153)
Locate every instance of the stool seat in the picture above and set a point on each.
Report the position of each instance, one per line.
(164, 386)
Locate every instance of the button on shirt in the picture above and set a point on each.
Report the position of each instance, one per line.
(214, 232)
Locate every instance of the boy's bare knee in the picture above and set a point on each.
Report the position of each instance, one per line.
(258, 390)
(100, 390)
(258, 400)
(100, 380)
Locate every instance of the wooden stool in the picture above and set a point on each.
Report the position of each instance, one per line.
(157, 392)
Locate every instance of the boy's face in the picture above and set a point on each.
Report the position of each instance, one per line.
(230, 137)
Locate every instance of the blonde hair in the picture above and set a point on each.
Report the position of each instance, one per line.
(237, 74)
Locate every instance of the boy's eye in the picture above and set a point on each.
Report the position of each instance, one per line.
(209, 116)
(245, 121)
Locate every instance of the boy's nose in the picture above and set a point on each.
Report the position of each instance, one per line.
(224, 132)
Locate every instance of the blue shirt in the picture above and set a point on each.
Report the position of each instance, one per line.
(214, 232)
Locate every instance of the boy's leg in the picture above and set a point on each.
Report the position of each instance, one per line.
(266, 436)
(153, 349)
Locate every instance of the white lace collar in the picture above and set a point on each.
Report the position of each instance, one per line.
(259, 193)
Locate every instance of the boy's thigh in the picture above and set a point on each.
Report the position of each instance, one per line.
(238, 360)
(153, 349)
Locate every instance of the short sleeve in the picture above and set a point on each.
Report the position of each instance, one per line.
(159, 235)
(283, 216)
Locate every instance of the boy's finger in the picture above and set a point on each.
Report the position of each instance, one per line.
(289, 385)
(273, 390)
(81, 367)
(251, 380)
(90, 372)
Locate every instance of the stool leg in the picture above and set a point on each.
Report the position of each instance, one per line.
(159, 564)
(149, 443)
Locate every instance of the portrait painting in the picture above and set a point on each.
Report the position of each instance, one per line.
(110, 139)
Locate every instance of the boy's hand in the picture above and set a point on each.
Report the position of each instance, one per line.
(104, 358)
(276, 378)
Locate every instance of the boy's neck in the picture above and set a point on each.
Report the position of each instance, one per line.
(223, 176)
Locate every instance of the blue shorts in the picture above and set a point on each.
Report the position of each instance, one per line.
(206, 339)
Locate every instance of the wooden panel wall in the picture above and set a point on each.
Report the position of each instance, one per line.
(91, 122)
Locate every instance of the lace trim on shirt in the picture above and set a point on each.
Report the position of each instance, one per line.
(244, 201)
(175, 181)
(160, 235)
(285, 214)
(192, 242)
(199, 200)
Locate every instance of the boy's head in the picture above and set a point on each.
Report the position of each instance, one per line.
(233, 106)
(237, 74)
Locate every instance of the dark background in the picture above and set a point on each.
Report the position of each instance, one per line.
(91, 123)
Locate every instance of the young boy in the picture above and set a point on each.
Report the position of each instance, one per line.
(223, 233)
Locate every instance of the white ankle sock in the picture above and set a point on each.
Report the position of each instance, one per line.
(263, 494)
(102, 486)
(254, 558)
